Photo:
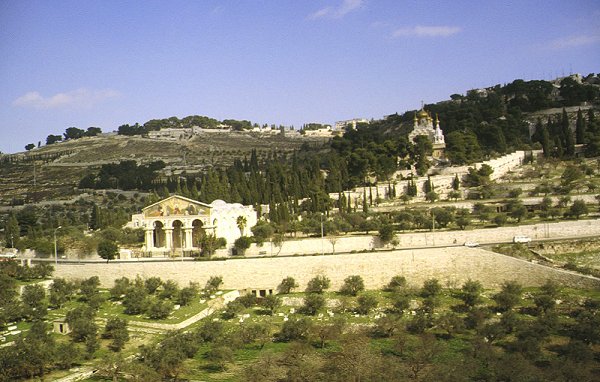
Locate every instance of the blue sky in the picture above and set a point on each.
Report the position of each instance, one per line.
(105, 63)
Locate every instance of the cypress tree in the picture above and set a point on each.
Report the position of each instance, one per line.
(546, 142)
(580, 128)
(456, 183)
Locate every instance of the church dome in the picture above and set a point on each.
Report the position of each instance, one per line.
(422, 114)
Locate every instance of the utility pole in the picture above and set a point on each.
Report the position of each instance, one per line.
(55, 246)
(322, 248)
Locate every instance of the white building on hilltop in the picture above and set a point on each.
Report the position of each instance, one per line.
(351, 123)
(423, 125)
(178, 224)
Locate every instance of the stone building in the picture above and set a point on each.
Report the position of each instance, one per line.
(177, 224)
(423, 125)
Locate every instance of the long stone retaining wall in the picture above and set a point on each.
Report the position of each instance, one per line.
(452, 266)
(430, 239)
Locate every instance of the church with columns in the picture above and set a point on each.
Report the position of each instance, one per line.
(177, 224)
(424, 125)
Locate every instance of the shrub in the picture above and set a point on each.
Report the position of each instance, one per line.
(318, 284)
(352, 285)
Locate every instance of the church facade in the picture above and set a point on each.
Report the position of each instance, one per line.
(178, 224)
(424, 125)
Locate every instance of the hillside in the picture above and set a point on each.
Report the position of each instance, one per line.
(60, 166)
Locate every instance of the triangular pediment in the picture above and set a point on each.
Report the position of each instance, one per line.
(177, 206)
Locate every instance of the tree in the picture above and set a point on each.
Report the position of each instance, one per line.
(209, 244)
(470, 293)
(51, 139)
(116, 329)
(456, 183)
(578, 208)
(135, 300)
(152, 284)
(220, 356)
(431, 196)
(318, 284)
(186, 295)
(328, 331)
(34, 301)
(313, 302)
(213, 284)
(241, 224)
(386, 233)
(431, 288)
(287, 284)
(61, 291)
(159, 309)
(81, 322)
(509, 296)
(108, 250)
(271, 303)
(366, 303)
(580, 128)
(74, 133)
(241, 244)
(352, 285)
(396, 282)
(12, 231)
(463, 218)
(295, 329)
(29, 147)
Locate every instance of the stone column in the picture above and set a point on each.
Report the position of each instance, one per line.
(149, 239)
(188, 239)
(168, 238)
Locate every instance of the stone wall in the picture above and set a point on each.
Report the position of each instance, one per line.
(429, 239)
(443, 181)
(452, 266)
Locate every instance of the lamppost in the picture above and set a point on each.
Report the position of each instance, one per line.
(55, 248)
(322, 248)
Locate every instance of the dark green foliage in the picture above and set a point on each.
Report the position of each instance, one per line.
(352, 285)
(187, 294)
(470, 293)
(431, 288)
(295, 329)
(313, 302)
(116, 329)
(159, 309)
(81, 322)
(270, 303)
(108, 250)
(125, 175)
(318, 284)
(366, 303)
(396, 282)
(386, 233)
(241, 244)
(61, 291)
(213, 284)
(287, 284)
(135, 300)
(152, 284)
(169, 290)
(509, 296)
(34, 302)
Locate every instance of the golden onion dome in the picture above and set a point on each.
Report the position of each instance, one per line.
(422, 114)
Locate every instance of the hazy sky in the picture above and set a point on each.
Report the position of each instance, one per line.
(106, 63)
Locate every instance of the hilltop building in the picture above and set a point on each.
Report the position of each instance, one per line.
(423, 125)
(350, 123)
(178, 224)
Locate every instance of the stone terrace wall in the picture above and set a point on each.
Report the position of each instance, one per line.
(452, 266)
(429, 239)
(443, 181)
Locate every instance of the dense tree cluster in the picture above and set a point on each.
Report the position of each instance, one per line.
(125, 175)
